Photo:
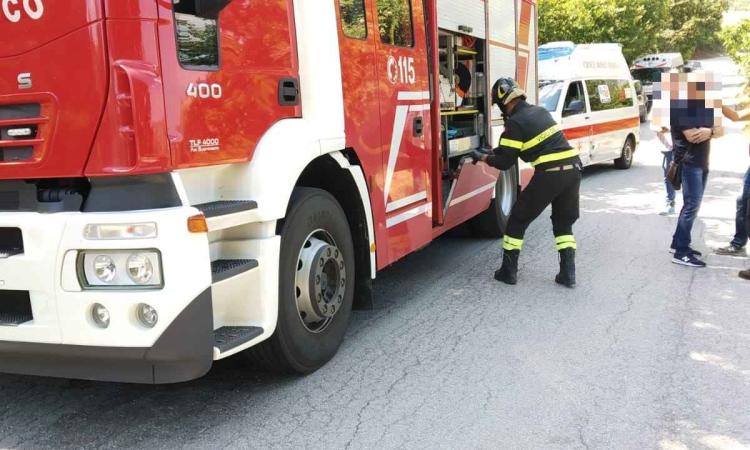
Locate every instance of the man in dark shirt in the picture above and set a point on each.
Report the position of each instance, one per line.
(532, 135)
(692, 125)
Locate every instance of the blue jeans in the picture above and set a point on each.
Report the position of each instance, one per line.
(741, 237)
(694, 180)
(668, 158)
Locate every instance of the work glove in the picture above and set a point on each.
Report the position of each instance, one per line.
(478, 155)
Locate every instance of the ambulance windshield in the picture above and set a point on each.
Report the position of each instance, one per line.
(549, 94)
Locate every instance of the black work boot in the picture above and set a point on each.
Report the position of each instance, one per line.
(508, 273)
(567, 275)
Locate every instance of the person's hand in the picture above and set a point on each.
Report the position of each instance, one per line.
(478, 156)
(698, 135)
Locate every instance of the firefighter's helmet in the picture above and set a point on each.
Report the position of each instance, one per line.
(505, 91)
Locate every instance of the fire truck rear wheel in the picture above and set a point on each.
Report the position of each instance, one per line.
(316, 285)
(492, 222)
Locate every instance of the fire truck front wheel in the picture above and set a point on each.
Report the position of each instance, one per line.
(316, 285)
(492, 222)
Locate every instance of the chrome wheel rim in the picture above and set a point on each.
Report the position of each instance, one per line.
(628, 153)
(320, 281)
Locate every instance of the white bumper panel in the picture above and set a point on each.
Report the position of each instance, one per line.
(62, 315)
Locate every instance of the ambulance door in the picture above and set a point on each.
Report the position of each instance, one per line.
(576, 119)
(403, 87)
(607, 98)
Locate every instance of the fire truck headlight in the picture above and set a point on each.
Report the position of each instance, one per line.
(140, 268)
(120, 269)
(104, 268)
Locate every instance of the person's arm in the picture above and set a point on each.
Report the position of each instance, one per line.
(680, 143)
(511, 142)
(736, 116)
(662, 135)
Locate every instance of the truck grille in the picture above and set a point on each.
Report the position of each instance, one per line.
(15, 308)
(20, 131)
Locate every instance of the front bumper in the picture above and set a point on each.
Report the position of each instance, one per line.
(182, 353)
(62, 340)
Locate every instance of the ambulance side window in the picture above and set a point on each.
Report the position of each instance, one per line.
(575, 101)
(353, 18)
(197, 38)
(395, 22)
(605, 95)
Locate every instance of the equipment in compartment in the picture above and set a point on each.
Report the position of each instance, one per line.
(462, 93)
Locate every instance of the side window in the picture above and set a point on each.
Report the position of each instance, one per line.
(197, 37)
(353, 18)
(575, 101)
(395, 22)
(606, 95)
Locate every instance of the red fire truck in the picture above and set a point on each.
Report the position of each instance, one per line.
(185, 180)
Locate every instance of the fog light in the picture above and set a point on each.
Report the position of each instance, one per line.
(147, 315)
(104, 268)
(100, 315)
(140, 268)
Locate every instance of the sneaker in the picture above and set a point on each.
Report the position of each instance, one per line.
(692, 252)
(689, 260)
(745, 274)
(731, 250)
(670, 211)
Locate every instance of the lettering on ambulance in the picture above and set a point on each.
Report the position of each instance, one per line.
(13, 10)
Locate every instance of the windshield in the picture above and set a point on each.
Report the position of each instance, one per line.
(549, 94)
(648, 76)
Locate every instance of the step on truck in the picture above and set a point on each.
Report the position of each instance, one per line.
(186, 180)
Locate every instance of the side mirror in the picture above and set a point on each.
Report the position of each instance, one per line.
(209, 9)
(574, 107)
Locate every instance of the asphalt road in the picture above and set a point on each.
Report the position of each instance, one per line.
(643, 354)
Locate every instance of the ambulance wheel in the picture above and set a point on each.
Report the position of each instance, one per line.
(492, 222)
(316, 285)
(626, 159)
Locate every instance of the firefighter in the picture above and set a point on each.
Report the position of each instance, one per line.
(533, 135)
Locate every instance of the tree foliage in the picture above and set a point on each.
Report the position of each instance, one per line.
(736, 41)
(641, 26)
(695, 24)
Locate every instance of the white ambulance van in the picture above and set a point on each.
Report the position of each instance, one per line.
(590, 92)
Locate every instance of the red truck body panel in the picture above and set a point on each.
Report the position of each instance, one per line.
(62, 57)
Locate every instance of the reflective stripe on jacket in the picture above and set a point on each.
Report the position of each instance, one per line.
(532, 135)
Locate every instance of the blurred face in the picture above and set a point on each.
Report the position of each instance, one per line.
(675, 80)
(696, 90)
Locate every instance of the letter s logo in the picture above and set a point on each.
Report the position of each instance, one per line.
(24, 81)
